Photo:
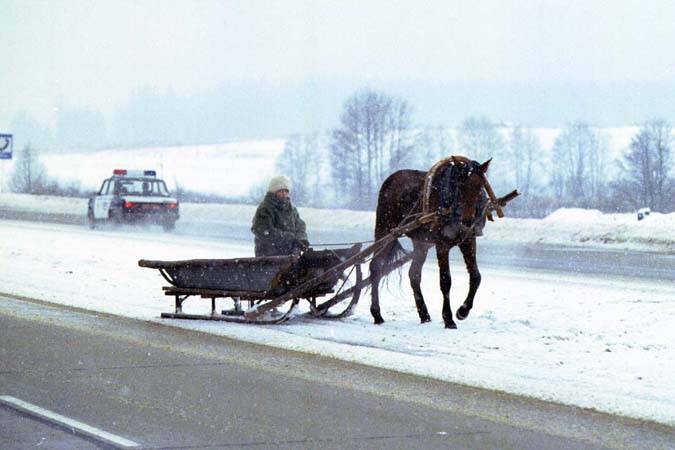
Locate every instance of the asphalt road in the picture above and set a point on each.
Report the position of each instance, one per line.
(169, 388)
(551, 258)
(652, 266)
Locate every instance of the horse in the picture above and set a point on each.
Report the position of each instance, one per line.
(455, 188)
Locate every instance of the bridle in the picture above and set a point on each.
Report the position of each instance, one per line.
(453, 172)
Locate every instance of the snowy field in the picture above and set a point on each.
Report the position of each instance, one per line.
(595, 342)
(223, 169)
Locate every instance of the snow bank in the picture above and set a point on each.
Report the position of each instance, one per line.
(563, 227)
(568, 226)
(42, 203)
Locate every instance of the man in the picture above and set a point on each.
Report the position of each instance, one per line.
(277, 226)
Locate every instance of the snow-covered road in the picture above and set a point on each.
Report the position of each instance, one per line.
(592, 341)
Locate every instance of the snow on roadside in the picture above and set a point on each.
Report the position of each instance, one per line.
(568, 226)
(606, 344)
(565, 226)
(42, 203)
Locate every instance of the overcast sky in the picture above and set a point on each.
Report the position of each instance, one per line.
(95, 53)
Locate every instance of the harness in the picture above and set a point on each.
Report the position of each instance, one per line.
(453, 162)
(453, 171)
(446, 177)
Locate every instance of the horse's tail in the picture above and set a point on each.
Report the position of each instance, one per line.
(383, 264)
(395, 205)
(394, 251)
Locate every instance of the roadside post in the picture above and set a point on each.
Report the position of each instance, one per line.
(6, 148)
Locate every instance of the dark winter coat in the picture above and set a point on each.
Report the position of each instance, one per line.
(277, 227)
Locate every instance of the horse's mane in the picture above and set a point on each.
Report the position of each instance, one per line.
(439, 169)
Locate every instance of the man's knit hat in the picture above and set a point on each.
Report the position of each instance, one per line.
(279, 183)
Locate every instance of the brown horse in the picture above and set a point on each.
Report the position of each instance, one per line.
(455, 188)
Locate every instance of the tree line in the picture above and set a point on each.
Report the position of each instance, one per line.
(344, 168)
(376, 137)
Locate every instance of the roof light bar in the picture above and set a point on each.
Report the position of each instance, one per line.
(134, 173)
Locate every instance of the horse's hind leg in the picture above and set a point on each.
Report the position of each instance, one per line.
(377, 265)
(442, 253)
(415, 274)
(468, 248)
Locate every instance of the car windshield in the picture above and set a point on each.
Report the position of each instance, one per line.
(155, 188)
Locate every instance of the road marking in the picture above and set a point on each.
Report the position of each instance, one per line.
(71, 424)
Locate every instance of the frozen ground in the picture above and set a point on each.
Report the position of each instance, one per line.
(603, 343)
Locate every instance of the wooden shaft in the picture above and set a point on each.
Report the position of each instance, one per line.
(508, 197)
(363, 283)
(394, 234)
(493, 198)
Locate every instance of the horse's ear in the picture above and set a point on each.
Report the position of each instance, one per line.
(484, 167)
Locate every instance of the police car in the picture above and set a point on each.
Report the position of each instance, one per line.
(133, 196)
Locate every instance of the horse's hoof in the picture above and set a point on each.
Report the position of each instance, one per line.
(462, 313)
(377, 316)
(451, 325)
(425, 319)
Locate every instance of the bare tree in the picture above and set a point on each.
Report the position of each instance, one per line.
(300, 160)
(597, 170)
(646, 168)
(30, 175)
(372, 141)
(433, 144)
(527, 170)
(576, 165)
(479, 139)
(525, 152)
(400, 144)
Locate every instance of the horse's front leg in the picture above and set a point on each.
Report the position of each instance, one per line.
(415, 274)
(468, 248)
(442, 253)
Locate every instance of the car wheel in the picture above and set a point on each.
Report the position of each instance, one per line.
(169, 225)
(116, 217)
(91, 221)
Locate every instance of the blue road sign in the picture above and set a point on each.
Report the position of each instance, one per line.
(6, 146)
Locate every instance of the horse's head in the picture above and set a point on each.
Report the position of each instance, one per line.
(462, 194)
(471, 196)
